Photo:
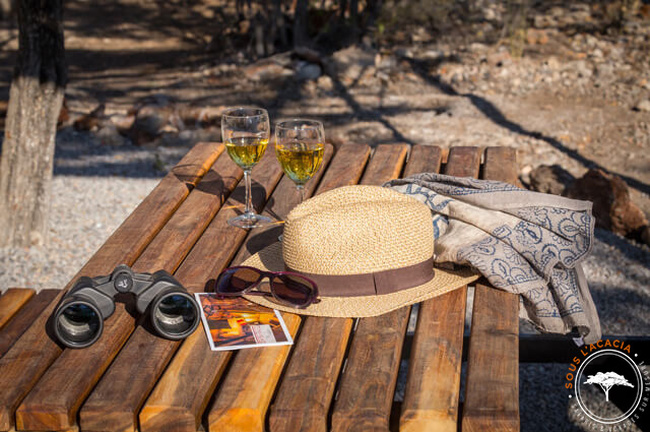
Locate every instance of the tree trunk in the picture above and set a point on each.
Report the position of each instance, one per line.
(279, 25)
(300, 34)
(35, 100)
(354, 19)
(6, 9)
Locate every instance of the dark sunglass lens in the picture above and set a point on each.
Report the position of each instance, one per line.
(237, 280)
(292, 289)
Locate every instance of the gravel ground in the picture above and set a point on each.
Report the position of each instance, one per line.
(96, 187)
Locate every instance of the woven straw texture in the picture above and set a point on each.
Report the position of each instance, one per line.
(355, 230)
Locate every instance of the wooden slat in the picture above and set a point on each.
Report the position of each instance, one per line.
(46, 407)
(20, 368)
(501, 164)
(433, 383)
(492, 390)
(365, 401)
(307, 388)
(308, 385)
(24, 318)
(118, 396)
(246, 392)
(179, 399)
(423, 159)
(463, 162)
(11, 302)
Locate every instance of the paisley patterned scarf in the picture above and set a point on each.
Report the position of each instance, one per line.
(524, 242)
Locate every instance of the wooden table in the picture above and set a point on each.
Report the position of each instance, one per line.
(340, 375)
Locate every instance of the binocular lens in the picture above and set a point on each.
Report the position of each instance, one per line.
(79, 324)
(175, 315)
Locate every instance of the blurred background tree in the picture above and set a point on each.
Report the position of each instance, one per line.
(6, 8)
(35, 100)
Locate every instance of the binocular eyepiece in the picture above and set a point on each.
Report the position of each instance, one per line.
(79, 319)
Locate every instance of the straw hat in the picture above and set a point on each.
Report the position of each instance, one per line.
(369, 249)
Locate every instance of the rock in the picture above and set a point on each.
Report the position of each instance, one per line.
(524, 175)
(613, 208)
(582, 68)
(499, 58)
(478, 47)
(553, 63)
(148, 124)
(64, 114)
(203, 117)
(310, 55)
(307, 71)
(491, 13)
(551, 179)
(645, 235)
(645, 83)
(92, 120)
(544, 21)
(325, 83)
(267, 69)
(597, 53)
(152, 120)
(605, 72)
(590, 41)
(432, 55)
(536, 37)
(386, 62)
(406, 53)
(421, 35)
(123, 123)
(643, 106)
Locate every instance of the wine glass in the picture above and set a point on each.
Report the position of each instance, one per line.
(245, 132)
(299, 146)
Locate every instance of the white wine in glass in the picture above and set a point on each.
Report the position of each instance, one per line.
(246, 151)
(299, 148)
(245, 132)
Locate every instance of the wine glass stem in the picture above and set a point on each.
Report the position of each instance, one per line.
(248, 211)
(301, 191)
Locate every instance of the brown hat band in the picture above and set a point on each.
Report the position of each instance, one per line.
(378, 283)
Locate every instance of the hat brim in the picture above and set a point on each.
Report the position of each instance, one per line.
(270, 259)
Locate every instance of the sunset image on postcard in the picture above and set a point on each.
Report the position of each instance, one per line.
(235, 323)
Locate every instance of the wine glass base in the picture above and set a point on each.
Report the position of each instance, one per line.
(247, 222)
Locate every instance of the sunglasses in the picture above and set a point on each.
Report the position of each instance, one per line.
(287, 288)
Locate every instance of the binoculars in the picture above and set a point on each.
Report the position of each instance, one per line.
(79, 319)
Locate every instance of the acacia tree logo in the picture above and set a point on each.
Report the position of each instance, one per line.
(628, 401)
(608, 380)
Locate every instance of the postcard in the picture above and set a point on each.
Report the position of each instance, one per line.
(234, 323)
